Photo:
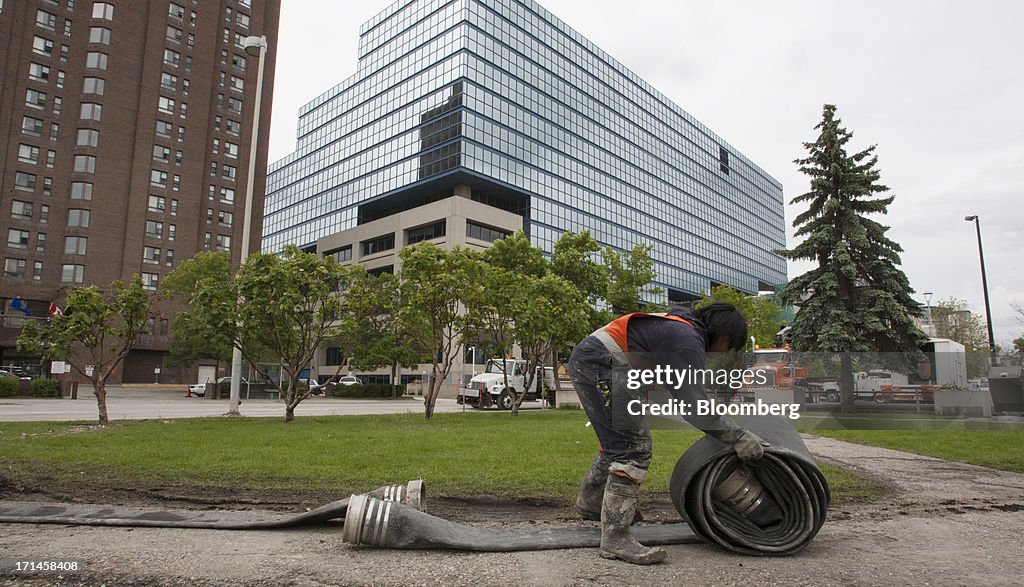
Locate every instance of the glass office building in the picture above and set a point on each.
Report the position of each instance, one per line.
(501, 100)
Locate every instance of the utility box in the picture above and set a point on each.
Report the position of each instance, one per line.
(1004, 384)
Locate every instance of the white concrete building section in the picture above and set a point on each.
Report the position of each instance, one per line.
(453, 221)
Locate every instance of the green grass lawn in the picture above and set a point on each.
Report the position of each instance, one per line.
(536, 454)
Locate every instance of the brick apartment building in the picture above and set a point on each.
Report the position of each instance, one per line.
(125, 130)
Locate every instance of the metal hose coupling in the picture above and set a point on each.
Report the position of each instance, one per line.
(412, 494)
(743, 492)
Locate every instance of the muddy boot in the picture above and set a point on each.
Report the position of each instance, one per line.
(617, 511)
(588, 503)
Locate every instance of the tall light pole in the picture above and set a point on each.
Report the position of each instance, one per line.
(928, 303)
(254, 47)
(984, 287)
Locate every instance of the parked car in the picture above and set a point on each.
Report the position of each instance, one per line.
(349, 380)
(228, 380)
(9, 375)
(197, 389)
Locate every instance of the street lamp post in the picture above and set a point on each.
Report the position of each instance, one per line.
(254, 47)
(984, 287)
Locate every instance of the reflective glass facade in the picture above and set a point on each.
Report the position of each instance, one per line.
(501, 96)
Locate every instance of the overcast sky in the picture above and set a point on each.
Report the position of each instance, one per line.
(938, 85)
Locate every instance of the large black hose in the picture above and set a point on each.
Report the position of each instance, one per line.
(372, 522)
(413, 495)
(793, 491)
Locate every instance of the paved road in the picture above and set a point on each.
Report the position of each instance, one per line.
(141, 403)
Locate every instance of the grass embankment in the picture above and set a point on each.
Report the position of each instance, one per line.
(536, 454)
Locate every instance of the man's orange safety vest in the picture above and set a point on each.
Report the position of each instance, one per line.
(617, 328)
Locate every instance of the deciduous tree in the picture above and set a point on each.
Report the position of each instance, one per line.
(97, 329)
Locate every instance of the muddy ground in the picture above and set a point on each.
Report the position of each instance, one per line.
(940, 523)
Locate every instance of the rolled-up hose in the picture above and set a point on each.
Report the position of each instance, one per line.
(796, 494)
(372, 522)
(412, 495)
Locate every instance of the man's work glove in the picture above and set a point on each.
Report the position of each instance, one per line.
(748, 446)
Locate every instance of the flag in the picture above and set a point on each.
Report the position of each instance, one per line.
(20, 306)
(55, 309)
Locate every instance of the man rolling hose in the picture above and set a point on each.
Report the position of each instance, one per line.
(598, 367)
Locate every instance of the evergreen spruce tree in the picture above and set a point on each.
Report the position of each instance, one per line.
(857, 299)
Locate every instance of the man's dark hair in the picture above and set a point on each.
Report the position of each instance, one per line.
(723, 319)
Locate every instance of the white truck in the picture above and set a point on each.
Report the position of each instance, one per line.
(489, 388)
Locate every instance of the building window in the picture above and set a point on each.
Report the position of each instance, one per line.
(14, 267)
(485, 233)
(67, 27)
(176, 11)
(224, 218)
(238, 61)
(340, 255)
(223, 242)
(102, 10)
(723, 160)
(57, 103)
(45, 20)
(170, 231)
(17, 239)
(158, 178)
(172, 57)
(96, 60)
(72, 273)
(425, 232)
(38, 73)
(333, 356)
(35, 99)
(157, 203)
(174, 34)
(44, 213)
(41, 242)
(75, 245)
(91, 111)
(28, 154)
(25, 181)
(88, 137)
(170, 257)
(42, 46)
(234, 105)
(233, 127)
(100, 35)
(154, 229)
(174, 206)
(31, 126)
(166, 105)
(161, 153)
(85, 164)
(163, 129)
(379, 244)
(22, 210)
(169, 81)
(81, 190)
(78, 218)
(237, 83)
(242, 20)
(227, 195)
(229, 172)
(231, 149)
(54, 131)
(151, 255)
(207, 240)
(47, 186)
(37, 270)
(93, 85)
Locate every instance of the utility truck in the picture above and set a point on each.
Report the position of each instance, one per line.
(491, 388)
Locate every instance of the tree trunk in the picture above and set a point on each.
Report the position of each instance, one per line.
(394, 384)
(100, 390)
(846, 384)
(289, 413)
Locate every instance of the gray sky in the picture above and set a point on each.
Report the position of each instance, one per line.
(936, 84)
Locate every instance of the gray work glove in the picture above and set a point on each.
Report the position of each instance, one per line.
(748, 446)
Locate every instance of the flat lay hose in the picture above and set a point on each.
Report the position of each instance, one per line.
(413, 495)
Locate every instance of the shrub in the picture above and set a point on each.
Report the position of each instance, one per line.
(366, 390)
(8, 387)
(45, 388)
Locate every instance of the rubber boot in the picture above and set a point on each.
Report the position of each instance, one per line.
(617, 511)
(588, 503)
